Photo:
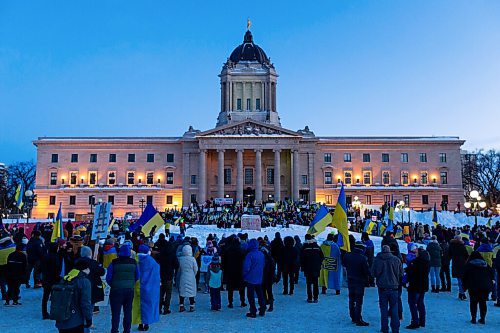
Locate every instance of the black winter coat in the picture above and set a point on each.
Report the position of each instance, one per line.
(478, 276)
(358, 270)
(35, 250)
(51, 267)
(232, 265)
(16, 266)
(458, 255)
(277, 248)
(269, 269)
(290, 255)
(96, 271)
(418, 275)
(168, 262)
(311, 259)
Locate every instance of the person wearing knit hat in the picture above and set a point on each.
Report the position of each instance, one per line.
(215, 283)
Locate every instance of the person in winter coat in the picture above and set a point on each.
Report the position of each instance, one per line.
(253, 271)
(215, 283)
(7, 246)
(358, 274)
(496, 266)
(268, 277)
(146, 304)
(435, 253)
(96, 271)
(311, 259)
(486, 251)
(458, 255)
(232, 265)
(418, 284)
(168, 264)
(35, 250)
(330, 276)
(16, 272)
(290, 257)
(81, 315)
(444, 274)
(51, 275)
(109, 253)
(121, 276)
(187, 278)
(369, 253)
(298, 246)
(388, 272)
(277, 250)
(478, 280)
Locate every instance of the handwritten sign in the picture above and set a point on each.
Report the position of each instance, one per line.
(250, 222)
(205, 263)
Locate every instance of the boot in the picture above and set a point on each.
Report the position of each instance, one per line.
(482, 321)
(412, 326)
(182, 308)
(191, 308)
(271, 307)
(361, 322)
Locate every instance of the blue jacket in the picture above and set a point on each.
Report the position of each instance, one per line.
(253, 266)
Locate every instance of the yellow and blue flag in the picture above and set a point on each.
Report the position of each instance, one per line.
(390, 219)
(321, 220)
(58, 231)
(149, 219)
(382, 230)
(435, 216)
(19, 195)
(340, 221)
(489, 223)
(369, 226)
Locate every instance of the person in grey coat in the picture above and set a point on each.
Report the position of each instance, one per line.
(387, 270)
(435, 253)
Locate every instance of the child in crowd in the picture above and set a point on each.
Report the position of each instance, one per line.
(215, 283)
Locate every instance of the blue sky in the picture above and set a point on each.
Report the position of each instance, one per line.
(149, 68)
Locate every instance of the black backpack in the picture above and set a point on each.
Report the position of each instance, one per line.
(61, 300)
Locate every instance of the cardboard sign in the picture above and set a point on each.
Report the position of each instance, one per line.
(223, 201)
(250, 222)
(101, 221)
(205, 263)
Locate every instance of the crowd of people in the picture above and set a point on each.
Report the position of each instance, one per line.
(141, 274)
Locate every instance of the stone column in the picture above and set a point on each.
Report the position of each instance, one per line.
(295, 175)
(186, 183)
(277, 174)
(312, 185)
(220, 173)
(202, 177)
(239, 175)
(258, 176)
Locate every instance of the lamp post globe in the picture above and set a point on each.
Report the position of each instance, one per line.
(474, 194)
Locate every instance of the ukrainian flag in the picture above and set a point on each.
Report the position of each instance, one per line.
(19, 196)
(5, 250)
(369, 227)
(435, 216)
(149, 219)
(382, 230)
(390, 222)
(58, 231)
(322, 219)
(340, 221)
(490, 223)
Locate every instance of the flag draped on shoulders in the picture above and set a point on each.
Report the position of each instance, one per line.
(19, 196)
(330, 275)
(339, 221)
(58, 231)
(149, 219)
(321, 220)
(146, 304)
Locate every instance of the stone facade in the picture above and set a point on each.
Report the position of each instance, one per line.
(248, 156)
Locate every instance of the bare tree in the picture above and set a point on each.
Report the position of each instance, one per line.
(20, 172)
(481, 171)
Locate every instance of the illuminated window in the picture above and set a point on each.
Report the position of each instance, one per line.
(53, 178)
(368, 199)
(170, 178)
(73, 176)
(404, 178)
(170, 199)
(112, 178)
(423, 177)
(328, 199)
(92, 177)
(328, 178)
(149, 178)
(347, 177)
(130, 178)
(444, 177)
(386, 178)
(367, 177)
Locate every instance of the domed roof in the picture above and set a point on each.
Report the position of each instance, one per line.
(248, 51)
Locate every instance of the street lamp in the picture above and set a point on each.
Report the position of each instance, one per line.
(356, 204)
(142, 201)
(29, 203)
(175, 205)
(475, 204)
(400, 206)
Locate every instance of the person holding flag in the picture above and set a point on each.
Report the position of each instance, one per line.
(18, 197)
(330, 276)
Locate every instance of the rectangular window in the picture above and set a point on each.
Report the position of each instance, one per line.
(170, 158)
(150, 178)
(111, 199)
(328, 178)
(385, 158)
(248, 176)
(112, 158)
(91, 199)
(52, 200)
(112, 178)
(93, 158)
(444, 177)
(347, 177)
(347, 157)
(425, 199)
(249, 104)
(227, 176)
(423, 177)
(130, 199)
(93, 178)
(270, 176)
(149, 199)
(130, 178)
(404, 178)
(71, 215)
(386, 178)
(442, 157)
(170, 178)
(327, 158)
(366, 158)
(367, 177)
(53, 178)
(423, 157)
(193, 179)
(304, 179)
(72, 200)
(328, 199)
(368, 199)
(74, 158)
(387, 198)
(55, 158)
(257, 104)
(131, 158)
(406, 199)
(170, 199)
(150, 158)
(73, 176)
(404, 157)
(193, 198)
(444, 198)
(238, 104)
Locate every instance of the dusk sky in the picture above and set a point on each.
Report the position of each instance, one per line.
(149, 68)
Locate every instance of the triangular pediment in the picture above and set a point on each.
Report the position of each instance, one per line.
(250, 128)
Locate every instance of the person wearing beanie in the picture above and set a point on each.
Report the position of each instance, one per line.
(418, 284)
(35, 251)
(16, 268)
(146, 304)
(121, 276)
(311, 259)
(96, 271)
(358, 273)
(215, 283)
